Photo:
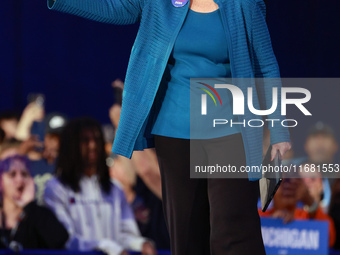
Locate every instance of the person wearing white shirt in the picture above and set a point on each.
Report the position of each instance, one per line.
(92, 207)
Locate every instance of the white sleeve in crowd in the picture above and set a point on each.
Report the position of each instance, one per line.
(130, 236)
(55, 198)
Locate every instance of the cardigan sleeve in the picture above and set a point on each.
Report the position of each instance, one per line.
(267, 72)
(118, 12)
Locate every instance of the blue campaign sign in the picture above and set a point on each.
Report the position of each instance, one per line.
(295, 238)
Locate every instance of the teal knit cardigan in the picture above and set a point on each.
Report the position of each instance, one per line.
(251, 56)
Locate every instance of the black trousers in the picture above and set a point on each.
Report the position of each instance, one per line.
(208, 216)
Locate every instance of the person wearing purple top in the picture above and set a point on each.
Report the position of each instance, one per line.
(92, 207)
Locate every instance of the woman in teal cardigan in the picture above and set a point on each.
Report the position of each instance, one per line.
(209, 215)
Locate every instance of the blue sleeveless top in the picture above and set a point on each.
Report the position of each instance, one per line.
(200, 51)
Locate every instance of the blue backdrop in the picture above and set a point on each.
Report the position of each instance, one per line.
(71, 60)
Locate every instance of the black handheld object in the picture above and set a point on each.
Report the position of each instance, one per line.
(271, 180)
(118, 95)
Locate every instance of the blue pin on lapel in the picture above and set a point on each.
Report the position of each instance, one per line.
(179, 3)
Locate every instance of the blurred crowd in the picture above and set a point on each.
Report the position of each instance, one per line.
(310, 191)
(61, 187)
